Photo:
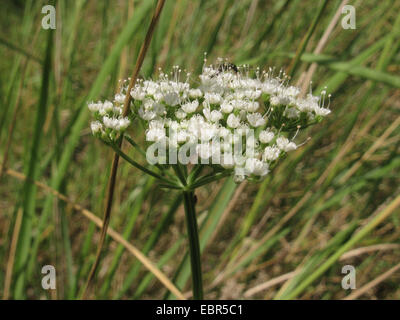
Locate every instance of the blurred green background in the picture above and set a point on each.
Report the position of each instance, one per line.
(333, 202)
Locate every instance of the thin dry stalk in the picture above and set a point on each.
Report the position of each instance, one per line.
(363, 250)
(11, 257)
(249, 19)
(114, 166)
(270, 283)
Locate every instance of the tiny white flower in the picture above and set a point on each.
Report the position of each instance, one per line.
(271, 153)
(251, 142)
(270, 86)
(215, 116)
(155, 134)
(233, 121)
(158, 96)
(119, 98)
(151, 87)
(180, 114)
(118, 124)
(213, 98)
(291, 113)
(238, 104)
(195, 93)
(307, 105)
(226, 107)
(227, 161)
(171, 99)
(321, 111)
(204, 150)
(159, 108)
(182, 136)
(226, 145)
(281, 99)
(252, 94)
(146, 114)
(96, 126)
(282, 142)
(256, 167)
(266, 136)
(190, 107)
(95, 106)
(290, 147)
(123, 124)
(138, 93)
(223, 132)
(252, 106)
(106, 107)
(208, 131)
(285, 145)
(256, 119)
(292, 91)
(275, 100)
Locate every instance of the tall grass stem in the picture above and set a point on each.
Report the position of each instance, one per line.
(194, 245)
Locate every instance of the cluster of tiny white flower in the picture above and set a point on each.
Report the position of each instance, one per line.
(109, 120)
(214, 116)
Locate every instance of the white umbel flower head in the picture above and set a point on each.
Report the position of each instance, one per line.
(242, 120)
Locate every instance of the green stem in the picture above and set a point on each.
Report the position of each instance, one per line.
(194, 245)
(179, 173)
(210, 178)
(123, 155)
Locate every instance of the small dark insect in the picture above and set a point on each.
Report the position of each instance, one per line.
(227, 66)
(195, 199)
